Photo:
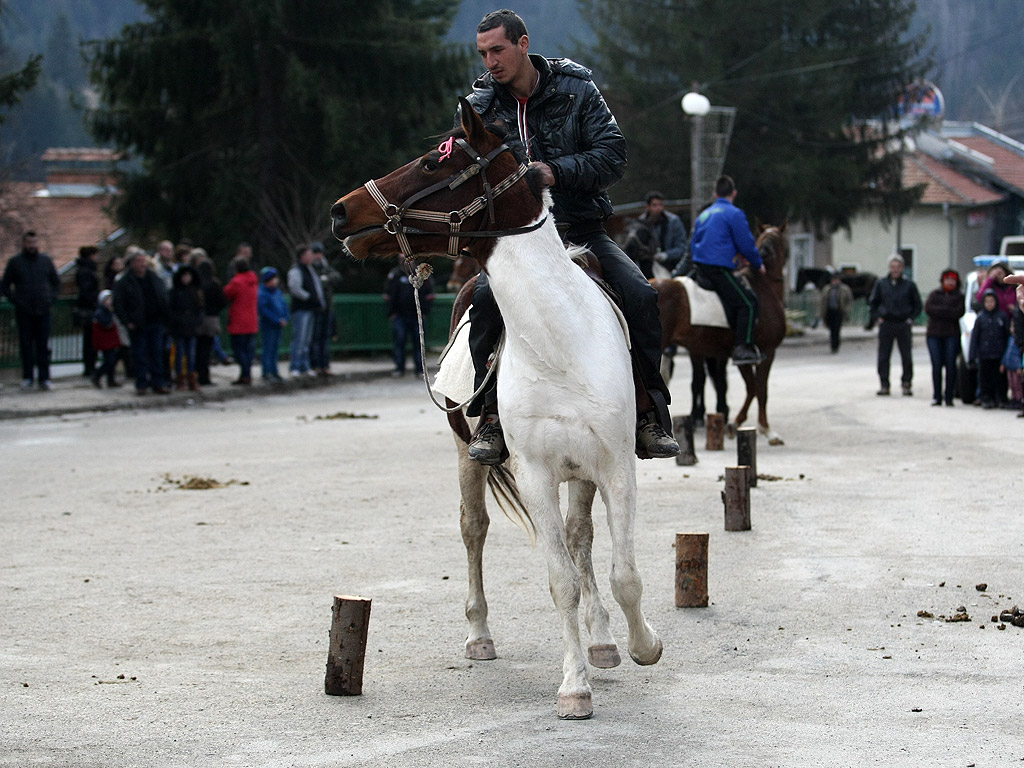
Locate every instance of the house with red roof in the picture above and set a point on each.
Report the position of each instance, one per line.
(67, 210)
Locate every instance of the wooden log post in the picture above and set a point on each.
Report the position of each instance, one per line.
(716, 432)
(682, 426)
(746, 451)
(691, 570)
(736, 497)
(350, 620)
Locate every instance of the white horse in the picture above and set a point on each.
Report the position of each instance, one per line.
(565, 388)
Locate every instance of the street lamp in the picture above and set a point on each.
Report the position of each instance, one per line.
(696, 105)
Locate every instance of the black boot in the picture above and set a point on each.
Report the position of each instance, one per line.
(746, 354)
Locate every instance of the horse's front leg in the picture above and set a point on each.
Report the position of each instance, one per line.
(762, 401)
(579, 534)
(749, 374)
(474, 523)
(619, 495)
(540, 495)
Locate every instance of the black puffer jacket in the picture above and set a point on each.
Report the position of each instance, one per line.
(894, 300)
(570, 128)
(34, 281)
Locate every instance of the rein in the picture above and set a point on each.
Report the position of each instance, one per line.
(454, 219)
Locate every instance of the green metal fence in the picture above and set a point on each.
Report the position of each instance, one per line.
(361, 322)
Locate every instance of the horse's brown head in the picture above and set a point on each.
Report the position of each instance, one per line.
(774, 248)
(461, 195)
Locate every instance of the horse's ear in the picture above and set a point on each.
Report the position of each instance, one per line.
(472, 125)
(782, 228)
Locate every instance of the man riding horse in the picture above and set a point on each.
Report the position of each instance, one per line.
(720, 233)
(567, 131)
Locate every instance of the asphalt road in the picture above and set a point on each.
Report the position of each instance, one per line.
(148, 624)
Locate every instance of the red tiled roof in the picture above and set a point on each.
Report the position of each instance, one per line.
(63, 224)
(1007, 165)
(80, 155)
(944, 185)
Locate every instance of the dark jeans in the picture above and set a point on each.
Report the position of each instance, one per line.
(639, 305)
(244, 347)
(184, 355)
(898, 331)
(204, 350)
(834, 321)
(270, 341)
(88, 351)
(404, 328)
(991, 381)
(320, 347)
(34, 344)
(110, 358)
(148, 356)
(740, 304)
(943, 350)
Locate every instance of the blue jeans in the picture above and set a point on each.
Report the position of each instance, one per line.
(320, 348)
(184, 355)
(244, 347)
(148, 356)
(402, 329)
(943, 353)
(302, 337)
(270, 338)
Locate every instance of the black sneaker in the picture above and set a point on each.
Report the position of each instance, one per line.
(652, 441)
(746, 354)
(488, 444)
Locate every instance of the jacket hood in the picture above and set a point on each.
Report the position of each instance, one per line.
(176, 281)
(947, 273)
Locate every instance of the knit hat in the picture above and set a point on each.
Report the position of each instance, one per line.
(267, 274)
(317, 247)
(103, 296)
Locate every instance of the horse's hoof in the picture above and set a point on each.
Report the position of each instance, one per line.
(576, 706)
(604, 656)
(646, 661)
(481, 650)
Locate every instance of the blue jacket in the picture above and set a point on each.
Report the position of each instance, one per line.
(271, 306)
(720, 233)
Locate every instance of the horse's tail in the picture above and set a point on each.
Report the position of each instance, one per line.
(503, 486)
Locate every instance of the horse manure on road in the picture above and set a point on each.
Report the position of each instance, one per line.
(197, 483)
(340, 415)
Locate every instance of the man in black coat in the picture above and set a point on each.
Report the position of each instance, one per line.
(30, 282)
(566, 129)
(140, 303)
(88, 283)
(896, 301)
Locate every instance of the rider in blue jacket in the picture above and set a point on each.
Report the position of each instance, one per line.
(720, 233)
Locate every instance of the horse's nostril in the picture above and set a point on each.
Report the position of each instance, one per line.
(338, 213)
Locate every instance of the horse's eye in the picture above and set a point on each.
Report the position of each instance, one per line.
(429, 164)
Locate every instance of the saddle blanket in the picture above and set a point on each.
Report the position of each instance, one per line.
(705, 306)
(456, 374)
(454, 378)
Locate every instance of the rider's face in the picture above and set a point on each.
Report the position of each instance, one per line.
(504, 59)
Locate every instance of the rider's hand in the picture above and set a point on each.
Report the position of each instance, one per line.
(660, 257)
(546, 174)
(762, 270)
(1017, 280)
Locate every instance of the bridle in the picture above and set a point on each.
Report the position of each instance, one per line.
(454, 219)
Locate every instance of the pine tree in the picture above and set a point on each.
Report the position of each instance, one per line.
(251, 118)
(806, 76)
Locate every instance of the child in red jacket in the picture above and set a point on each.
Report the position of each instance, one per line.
(105, 339)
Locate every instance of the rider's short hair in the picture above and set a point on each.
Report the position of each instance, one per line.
(725, 186)
(512, 23)
(654, 195)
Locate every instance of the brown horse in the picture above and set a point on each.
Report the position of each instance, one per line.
(565, 385)
(705, 341)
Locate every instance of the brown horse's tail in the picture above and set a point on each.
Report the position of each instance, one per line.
(503, 486)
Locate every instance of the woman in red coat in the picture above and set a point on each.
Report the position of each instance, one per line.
(242, 293)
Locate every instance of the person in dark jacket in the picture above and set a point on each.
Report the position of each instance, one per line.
(184, 315)
(668, 229)
(140, 303)
(325, 326)
(30, 282)
(896, 301)
(400, 299)
(307, 297)
(568, 133)
(944, 307)
(834, 308)
(88, 282)
(214, 302)
(988, 344)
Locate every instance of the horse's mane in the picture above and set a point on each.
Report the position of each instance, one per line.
(499, 129)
